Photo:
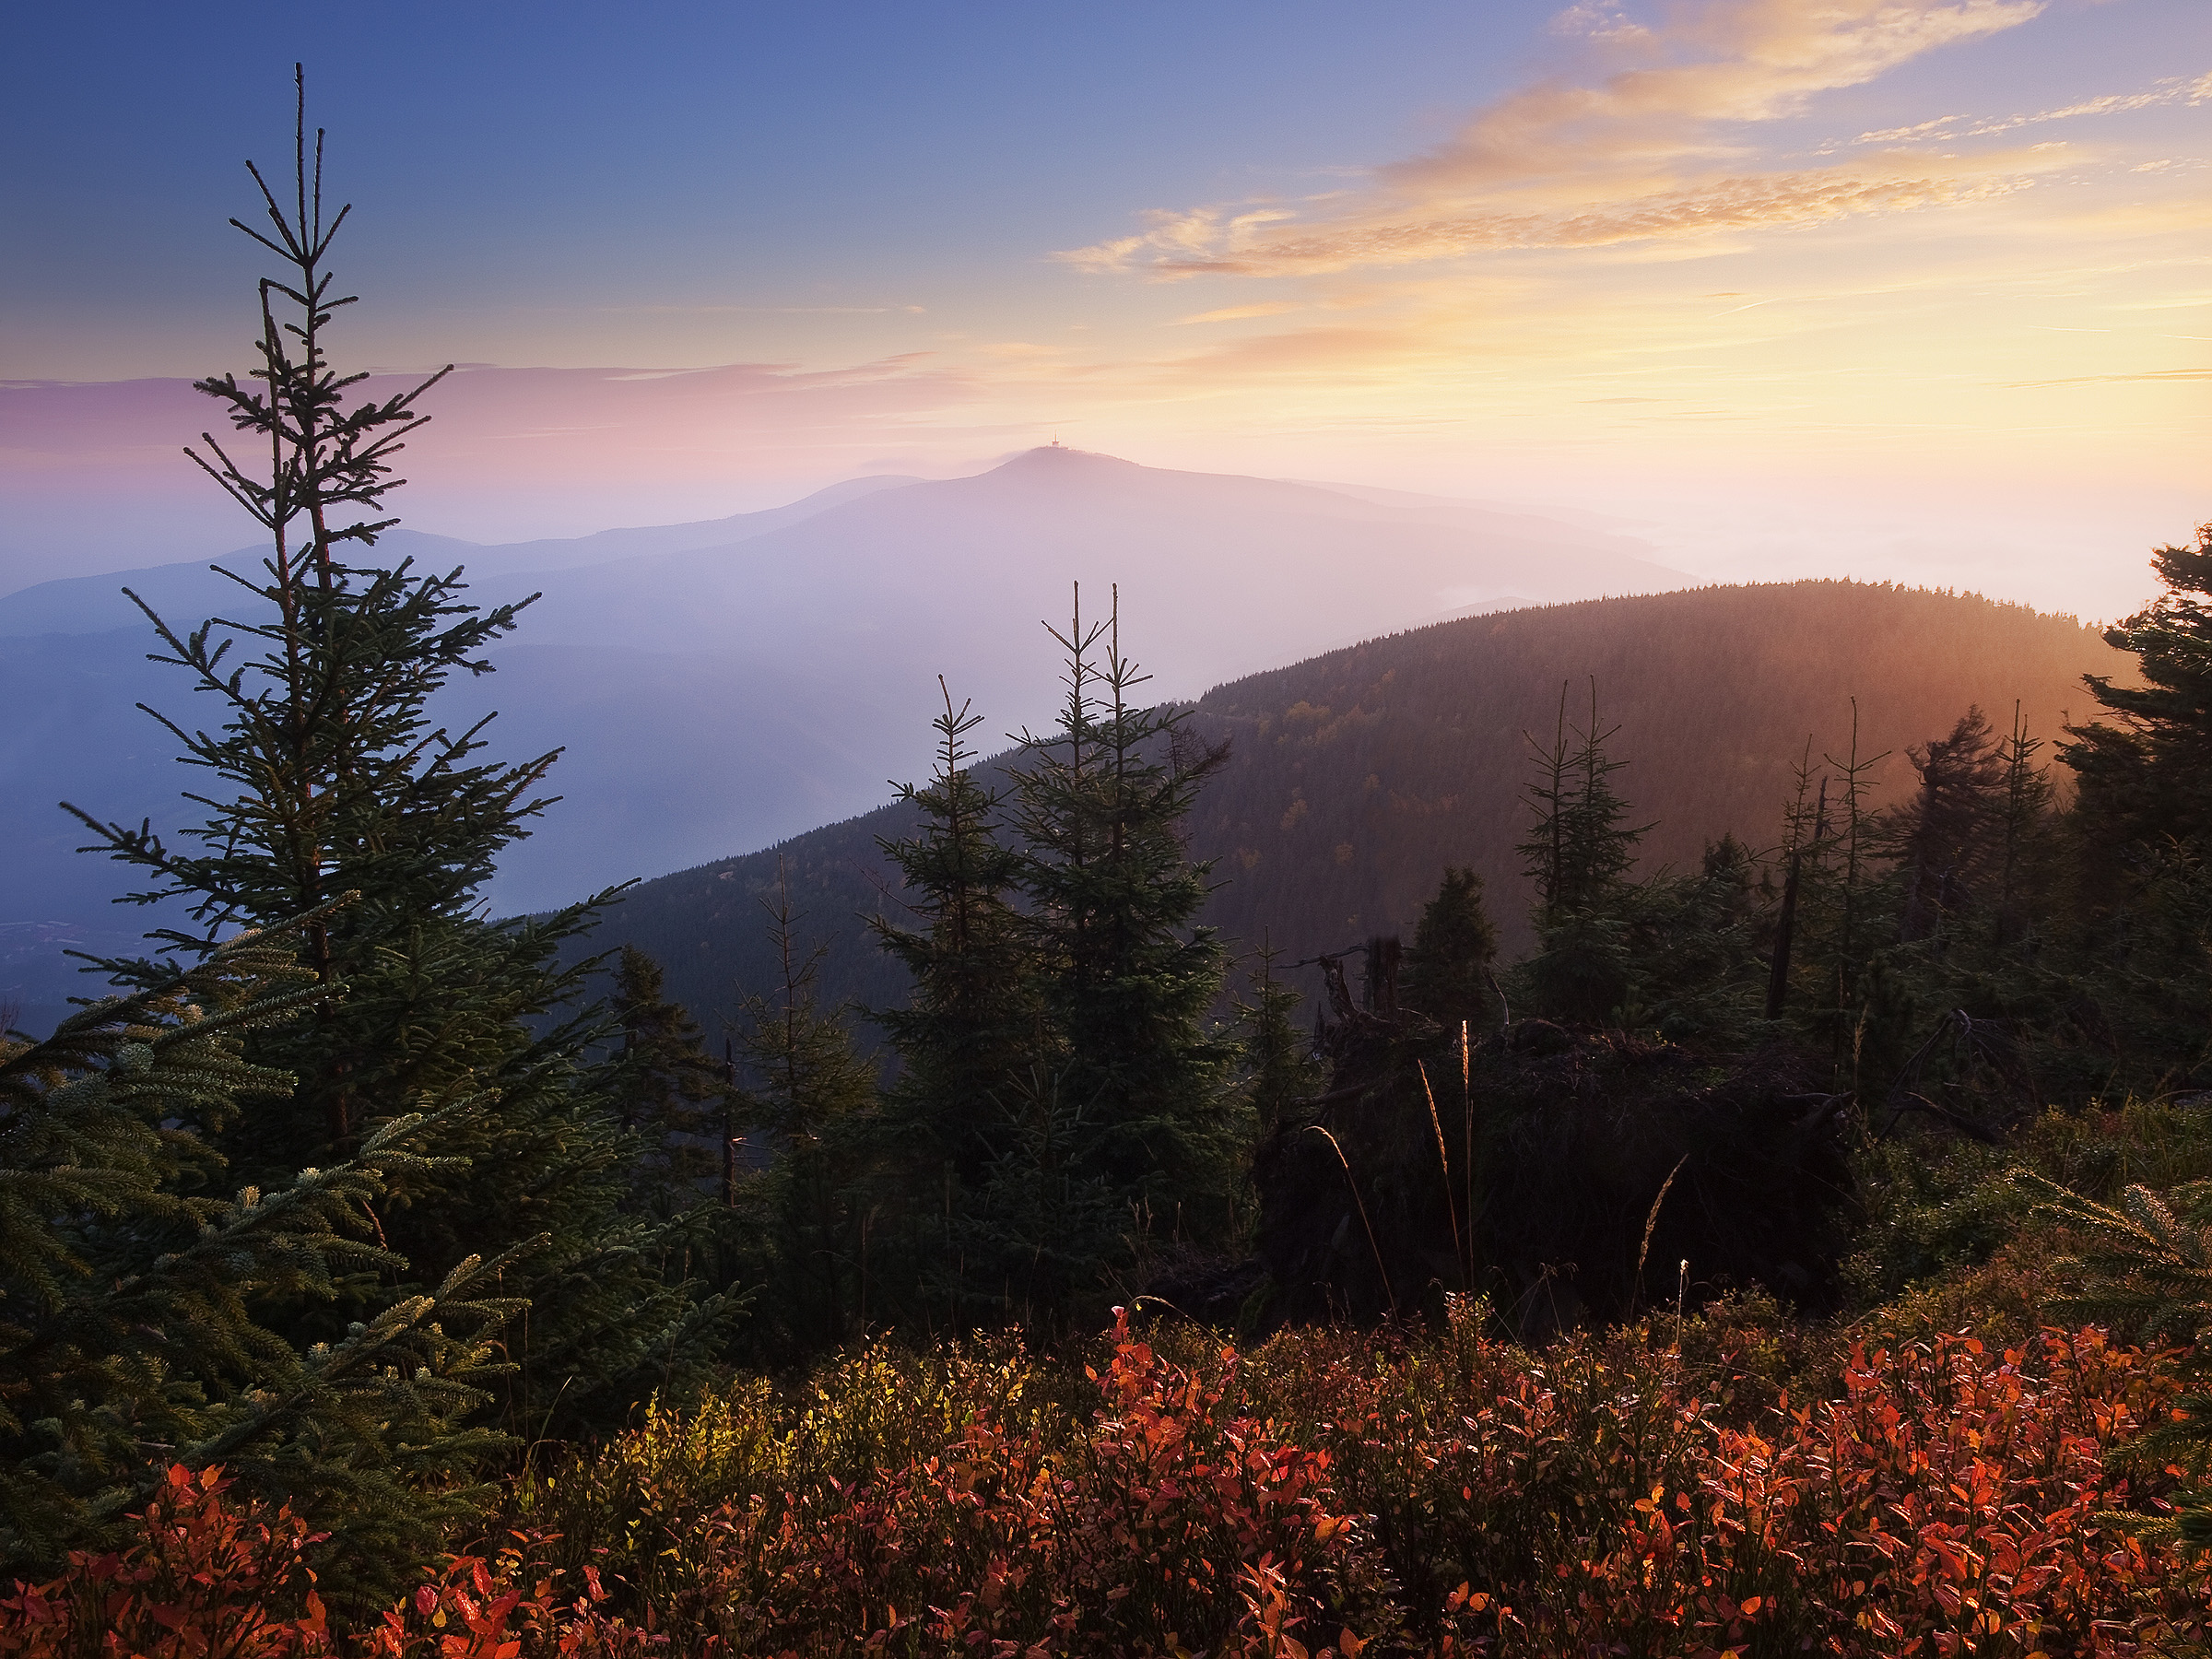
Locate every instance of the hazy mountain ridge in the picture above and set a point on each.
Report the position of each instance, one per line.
(1356, 776)
(95, 603)
(734, 682)
(1216, 563)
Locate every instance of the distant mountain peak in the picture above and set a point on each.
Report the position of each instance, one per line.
(1058, 455)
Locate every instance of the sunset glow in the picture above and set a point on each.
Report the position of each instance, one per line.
(1904, 289)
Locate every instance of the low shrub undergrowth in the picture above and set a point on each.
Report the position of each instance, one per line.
(1434, 1493)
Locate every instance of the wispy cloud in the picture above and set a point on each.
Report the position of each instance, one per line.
(1598, 20)
(1239, 314)
(2154, 376)
(2173, 89)
(1658, 148)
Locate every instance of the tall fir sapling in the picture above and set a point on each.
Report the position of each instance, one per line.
(1580, 848)
(1064, 1106)
(970, 1021)
(2024, 875)
(1842, 931)
(1127, 977)
(330, 773)
(1944, 838)
(970, 1030)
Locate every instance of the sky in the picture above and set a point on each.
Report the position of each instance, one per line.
(1906, 290)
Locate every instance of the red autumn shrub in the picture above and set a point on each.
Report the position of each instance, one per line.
(503, 1606)
(1949, 1503)
(205, 1579)
(1479, 1465)
(1330, 1493)
(1604, 1498)
(200, 1582)
(1169, 1527)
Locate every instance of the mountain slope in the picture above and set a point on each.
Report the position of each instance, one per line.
(1356, 776)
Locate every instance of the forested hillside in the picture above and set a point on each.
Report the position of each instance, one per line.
(1355, 776)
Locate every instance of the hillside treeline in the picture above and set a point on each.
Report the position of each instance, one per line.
(1354, 778)
(368, 1284)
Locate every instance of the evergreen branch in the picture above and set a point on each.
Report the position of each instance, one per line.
(399, 1328)
(2141, 1266)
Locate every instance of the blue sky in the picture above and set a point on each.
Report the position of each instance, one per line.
(554, 169)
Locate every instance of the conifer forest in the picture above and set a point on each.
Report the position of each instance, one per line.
(1302, 1171)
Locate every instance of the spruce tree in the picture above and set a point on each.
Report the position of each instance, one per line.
(2146, 773)
(1944, 840)
(1937, 977)
(970, 1022)
(1701, 947)
(145, 1315)
(2142, 828)
(1448, 976)
(667, 1092)
(1550, 798)
(329, 774)
(1063, 1107)
(812, 1097)
(1578, 853)
(1046, 1233)
(970, 1030)
(1579, 848)
(1599, 847)
(2024, 874)
(1280, 1076)
(1125, 976)
(1804, 862)
(1844, 900)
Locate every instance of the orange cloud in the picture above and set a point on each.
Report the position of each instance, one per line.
(1752, 201)
(1654, 150)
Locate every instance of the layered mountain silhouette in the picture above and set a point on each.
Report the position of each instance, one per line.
(1357, 775)
(731, 683)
